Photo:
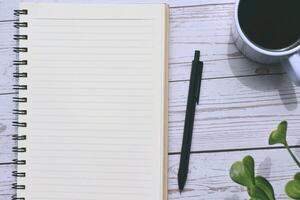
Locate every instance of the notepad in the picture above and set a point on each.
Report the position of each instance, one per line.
(96, 102)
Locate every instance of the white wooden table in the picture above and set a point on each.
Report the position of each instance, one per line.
(241, 102)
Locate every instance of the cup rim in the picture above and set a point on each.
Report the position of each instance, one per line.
(253, 45)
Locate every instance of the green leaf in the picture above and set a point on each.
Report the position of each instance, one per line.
(292, 189)
(278, 136)
(257, 193)
(297, 176)
(249, 166)
(265, 186)
(239, 175)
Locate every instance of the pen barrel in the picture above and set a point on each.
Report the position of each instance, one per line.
(189, 123)
(190, 112)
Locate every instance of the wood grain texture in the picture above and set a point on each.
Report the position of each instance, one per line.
(235, 112)
(6, 181)
(241, 101)
(6, 93)
(7, 56)
(6, 8)
(208, 28)
(209, 175)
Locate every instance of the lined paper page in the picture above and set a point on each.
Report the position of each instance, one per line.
(96, 93)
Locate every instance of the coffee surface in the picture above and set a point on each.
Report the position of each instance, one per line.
(271, 24)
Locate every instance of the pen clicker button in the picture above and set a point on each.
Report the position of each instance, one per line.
(199, 82)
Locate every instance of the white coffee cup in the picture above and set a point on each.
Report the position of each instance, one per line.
(289, 57)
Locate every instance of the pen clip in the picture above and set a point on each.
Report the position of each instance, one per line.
(199, 77)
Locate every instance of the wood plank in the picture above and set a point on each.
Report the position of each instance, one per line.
(208, 178)
(227, 68)
(7, 56)
(6, 105)
(235, 112)
(208, 28)
(6, 145)
(6, 9)
(6, 181)
(6, 129)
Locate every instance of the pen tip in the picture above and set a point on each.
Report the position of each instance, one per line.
(180, 191)
(197, 55)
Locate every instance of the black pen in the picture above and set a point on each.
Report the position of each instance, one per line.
(193, 98)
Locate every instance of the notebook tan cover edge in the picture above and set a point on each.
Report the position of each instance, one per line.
(166, 102)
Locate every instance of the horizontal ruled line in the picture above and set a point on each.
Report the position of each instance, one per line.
(82, 171)
(85, 178)
(84, 150)
(93, 33)
(96, 130)
(88, 61)
(93, 88)
(134, 165)
(92, 26)
(121, 194)
(92, 47)
(110, 157)
(107, 116)
(80, 39)
(45, 144)
(92, 109)
(100, 19)
(96, 95)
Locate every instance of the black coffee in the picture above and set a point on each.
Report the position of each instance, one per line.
(271, 24)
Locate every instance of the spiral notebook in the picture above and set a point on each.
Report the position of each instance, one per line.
(92, 104)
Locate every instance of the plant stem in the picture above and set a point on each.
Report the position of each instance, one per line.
(291, 153)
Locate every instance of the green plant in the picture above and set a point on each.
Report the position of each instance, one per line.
(278, 136)
(259, 188)
(243, 173)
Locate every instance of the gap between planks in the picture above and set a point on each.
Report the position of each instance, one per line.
(229, 77)
(237, 149)
(199, 5)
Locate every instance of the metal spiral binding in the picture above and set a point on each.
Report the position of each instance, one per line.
(20, 62)
(20, 24)
(17, 87)
(20, 49)
(19, 100)
(20, 75)
(20, 37)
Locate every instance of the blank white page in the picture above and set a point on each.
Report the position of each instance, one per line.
(96, 110)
